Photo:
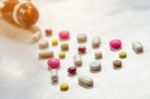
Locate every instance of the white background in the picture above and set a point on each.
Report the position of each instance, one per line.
(23, 76)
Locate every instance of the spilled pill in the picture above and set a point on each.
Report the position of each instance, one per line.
(82, 49)
(77, 60)
(64, 47)
(64, 86)
(36, 37)
(95, 66)
(96, 42)
(117, 64)
(137, 47)
(53, 63)
(54, 76)
(115, 44)
(122, 54)
(48, 32)
(85, 81)
(45, 54)
(54, 42)
(98, 55)
(62, 55)
(81, 38)
(72, 70)
(64, 35)
(43, 44)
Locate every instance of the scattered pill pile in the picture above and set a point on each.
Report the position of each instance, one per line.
(94, 66)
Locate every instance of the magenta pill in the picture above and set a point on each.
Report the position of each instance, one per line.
(53, 63)
(64, 35)
(115, 44)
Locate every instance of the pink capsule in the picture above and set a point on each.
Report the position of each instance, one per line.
(115, 44)
(53, 63)
(64, 35)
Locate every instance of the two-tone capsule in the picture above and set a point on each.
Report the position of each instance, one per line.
(96, 42)
(77, 59)
(85, 81)
(54, 76)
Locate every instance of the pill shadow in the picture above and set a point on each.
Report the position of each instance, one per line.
(72, 75)
(117, 68)
(115, 50)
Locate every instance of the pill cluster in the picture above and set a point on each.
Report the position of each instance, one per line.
(94, 66)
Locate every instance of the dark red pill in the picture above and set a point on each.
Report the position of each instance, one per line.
(82, 49)
(72, 70)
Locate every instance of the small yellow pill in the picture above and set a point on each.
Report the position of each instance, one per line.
(54, 42)
(64, 86)
(122, 54)
(62, 55)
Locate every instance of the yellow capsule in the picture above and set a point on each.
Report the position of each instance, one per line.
(54, 42)
(64, 86)
(62, 55)
(122, 54)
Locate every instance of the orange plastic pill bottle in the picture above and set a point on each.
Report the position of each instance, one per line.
(20, 12)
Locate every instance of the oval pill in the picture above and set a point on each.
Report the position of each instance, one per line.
(137, 46)
(53, 63)
(98, 55)
(96, 42)
(45, 54)
(64, 35)
(43, 44)
(81, 38)
(85, 81)
(54, 76)
(115, 44)
(95, 66)
(77, 60)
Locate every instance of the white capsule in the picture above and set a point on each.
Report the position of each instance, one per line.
(54, 76)
(85, 81)
(137, 47)
(96, 42)
(77, 60)
(98, 55)
(95, 66)
(45, 54)
(36, 37)
(81, 38)
(43, 44)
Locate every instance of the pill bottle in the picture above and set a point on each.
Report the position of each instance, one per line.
(19, 12)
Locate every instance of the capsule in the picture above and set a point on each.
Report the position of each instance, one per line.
(45, 54)
(36, 37)
(85, 81)
(81, 38)
(43, 44)
(98, 55)
(96, 42)
(77, 60)
(54, 76)
(95, 66)
(137, 46)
